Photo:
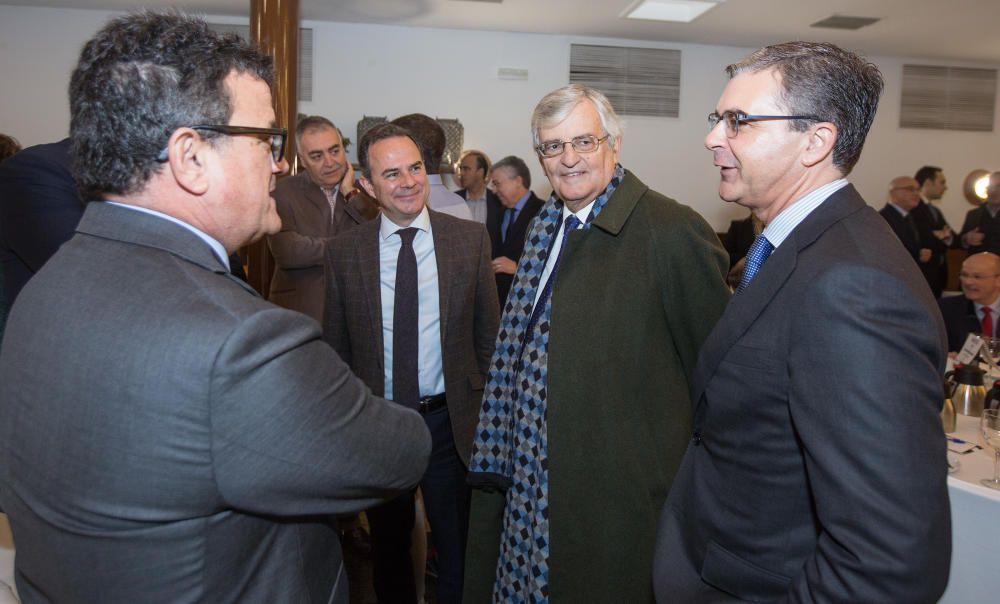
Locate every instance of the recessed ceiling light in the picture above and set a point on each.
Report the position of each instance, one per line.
(683, 11)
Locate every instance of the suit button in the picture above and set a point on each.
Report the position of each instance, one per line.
(696, 438)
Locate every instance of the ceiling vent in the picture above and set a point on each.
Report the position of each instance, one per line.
(845, 22)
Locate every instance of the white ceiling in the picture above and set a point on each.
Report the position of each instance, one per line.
(959, 30)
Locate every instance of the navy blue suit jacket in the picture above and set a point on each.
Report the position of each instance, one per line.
(39, 211)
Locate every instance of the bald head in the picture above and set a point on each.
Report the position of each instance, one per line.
(980, 278)
(993, 190)
(904, 192)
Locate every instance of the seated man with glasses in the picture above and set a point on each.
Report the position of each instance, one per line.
(587, 413)
(977, 310)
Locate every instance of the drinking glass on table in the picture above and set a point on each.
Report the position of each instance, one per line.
(990, 427)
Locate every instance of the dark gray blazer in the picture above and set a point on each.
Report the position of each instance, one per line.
(169, 436)
(470, 314)
(817, 469)
(306, 227)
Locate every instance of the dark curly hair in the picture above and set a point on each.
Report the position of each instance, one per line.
(140, 78)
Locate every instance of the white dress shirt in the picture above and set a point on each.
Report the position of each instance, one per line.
(430, 367)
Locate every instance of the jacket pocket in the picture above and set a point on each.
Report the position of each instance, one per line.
(477, 381)
(728, 572)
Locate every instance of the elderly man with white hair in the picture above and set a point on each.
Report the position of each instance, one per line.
(586, 414)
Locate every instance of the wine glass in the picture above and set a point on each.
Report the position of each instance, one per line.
(990, 426)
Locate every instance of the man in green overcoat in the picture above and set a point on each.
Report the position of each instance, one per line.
(587, 411)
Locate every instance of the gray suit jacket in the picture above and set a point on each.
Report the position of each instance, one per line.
(306, 227)
(470, 313)
(817, 469)
(169, 436)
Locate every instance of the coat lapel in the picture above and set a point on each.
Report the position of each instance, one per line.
(369, 266)
(744, 308)
(444, 255)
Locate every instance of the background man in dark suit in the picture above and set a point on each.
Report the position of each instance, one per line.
(898, 212)
(512, 182)
(472, 172)
(935, 233)
(39, 210)
(817, 469)
(411, 306)
(595, 346)
(314, 206)
(168, 435)
(965, 314)
(981, 229)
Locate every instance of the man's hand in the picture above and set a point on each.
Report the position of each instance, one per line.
(347, 183)
(974, 237)
(503, 264)
(925, 254)
(944, 233)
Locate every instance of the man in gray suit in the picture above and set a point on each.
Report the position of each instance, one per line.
(412, 307)
(314, 206)
(816, 472)
(169, 436)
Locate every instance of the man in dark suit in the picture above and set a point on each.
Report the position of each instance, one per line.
(898, 212)
(965, 314)
(314, 206)
(981, 229)
(168, 435)
(39, 210)
(817, 470)
(411, 306)
(935, 233)
(472, 172)
(512, 182)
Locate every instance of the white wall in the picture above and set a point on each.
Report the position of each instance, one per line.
(380, 70)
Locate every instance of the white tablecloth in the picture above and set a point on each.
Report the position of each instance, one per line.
(975, 523)
(7, 590)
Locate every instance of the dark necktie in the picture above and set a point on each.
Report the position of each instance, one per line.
(987, 322)
(911, 223)
(758, 253)
(405, 378)
(508, 220)
(572, 223)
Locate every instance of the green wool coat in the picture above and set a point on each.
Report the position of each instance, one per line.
(636, 296)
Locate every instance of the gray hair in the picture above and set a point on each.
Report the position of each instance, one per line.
(556, 106)
(827, 82)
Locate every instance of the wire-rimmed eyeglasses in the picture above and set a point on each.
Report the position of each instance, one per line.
(733, 119)
(587, 143)
(275, 137)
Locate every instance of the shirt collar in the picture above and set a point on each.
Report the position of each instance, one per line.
(899, 209)
(785, 222)
(388, 227)
(524, 199)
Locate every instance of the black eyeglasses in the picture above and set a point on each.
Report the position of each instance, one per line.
(587, 143)
(733, 119)
(275, 137)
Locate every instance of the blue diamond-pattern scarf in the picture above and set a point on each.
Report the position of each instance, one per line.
(491, 455)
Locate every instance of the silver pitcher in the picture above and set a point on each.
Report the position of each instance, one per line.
(968, 391)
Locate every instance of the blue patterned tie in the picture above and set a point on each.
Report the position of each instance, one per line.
(758, 253)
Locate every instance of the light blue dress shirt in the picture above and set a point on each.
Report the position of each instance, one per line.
(429, 363)
(510, 218)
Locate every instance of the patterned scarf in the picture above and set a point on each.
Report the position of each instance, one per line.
(490, 466)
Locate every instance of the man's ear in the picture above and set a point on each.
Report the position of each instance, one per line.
(186, 157)
(367, 186)
(819, 146)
